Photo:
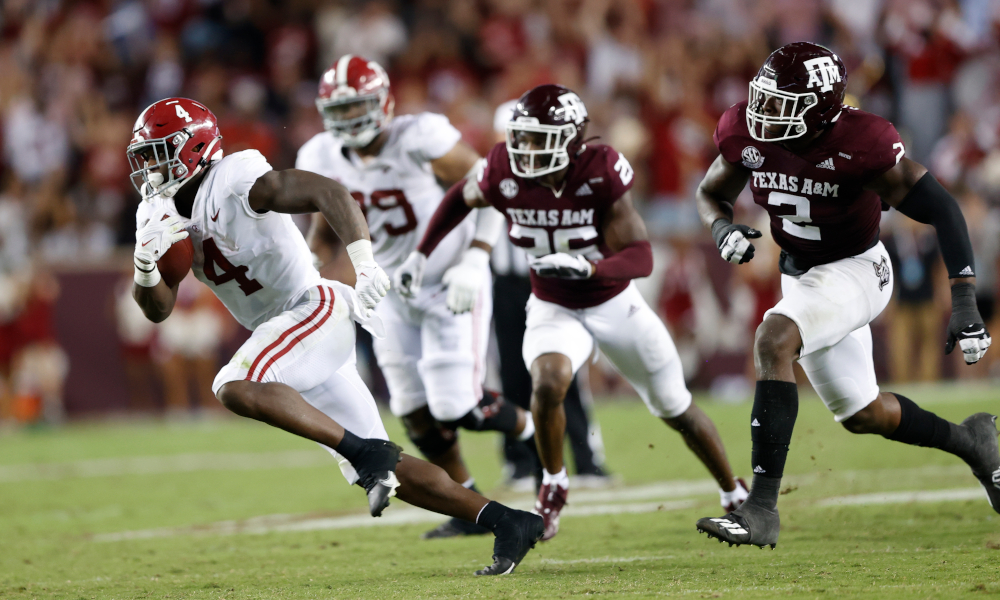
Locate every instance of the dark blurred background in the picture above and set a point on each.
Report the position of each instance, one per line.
(655, 75)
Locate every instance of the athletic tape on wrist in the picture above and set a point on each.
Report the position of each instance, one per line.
(146, 278)
(360, 251)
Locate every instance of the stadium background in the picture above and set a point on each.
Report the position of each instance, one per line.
(655, 76)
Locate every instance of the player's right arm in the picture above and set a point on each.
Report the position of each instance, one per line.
(152, 240)
(715, 196)
(293, 191)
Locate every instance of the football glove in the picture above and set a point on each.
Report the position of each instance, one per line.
(410, 275)
(733, 241)
(372, 285)
(966, 326)
(563, 266)
(465, 280)
(152, 240)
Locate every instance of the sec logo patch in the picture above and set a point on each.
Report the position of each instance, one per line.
(508, 187)
(752, 158)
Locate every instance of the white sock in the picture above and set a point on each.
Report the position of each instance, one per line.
(471, 481)
(561, 478)
(529, 427)
(738, 495)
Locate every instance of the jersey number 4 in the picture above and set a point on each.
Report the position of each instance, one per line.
(214, 258)
(386, 200)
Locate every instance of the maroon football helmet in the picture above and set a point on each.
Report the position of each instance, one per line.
(355, 100)
(546, 130)
(799, 89)
(178, 133)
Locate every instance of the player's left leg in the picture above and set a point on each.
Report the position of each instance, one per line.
(637, 343)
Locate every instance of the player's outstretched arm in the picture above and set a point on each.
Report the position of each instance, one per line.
(455, 164)
(293, 191)
(715, 196)
(912, 190)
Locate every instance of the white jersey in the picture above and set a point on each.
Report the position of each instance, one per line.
(257, 264)
(397, 189)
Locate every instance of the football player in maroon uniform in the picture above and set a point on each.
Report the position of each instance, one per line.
(569, 206)
(822, 171)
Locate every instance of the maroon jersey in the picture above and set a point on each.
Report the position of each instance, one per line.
(544, 223)
(819, 210)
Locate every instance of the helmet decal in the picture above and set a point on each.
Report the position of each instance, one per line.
(823, 72)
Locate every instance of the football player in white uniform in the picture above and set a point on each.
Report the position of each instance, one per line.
(398, 170)
(297, 371)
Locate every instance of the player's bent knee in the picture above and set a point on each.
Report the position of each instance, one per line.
(493, 414)
(777, 340)
(429, 436)
(551, 376)
(865, 420)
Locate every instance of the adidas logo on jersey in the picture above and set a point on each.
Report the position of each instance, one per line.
(827, 164)
(755, 423)
(759, 469)
(584, 190)
(967, 272)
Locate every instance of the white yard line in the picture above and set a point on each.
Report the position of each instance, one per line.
(579, 508)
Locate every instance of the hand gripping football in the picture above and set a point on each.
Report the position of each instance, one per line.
(176, 262)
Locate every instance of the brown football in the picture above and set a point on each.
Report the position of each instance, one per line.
(176, 263)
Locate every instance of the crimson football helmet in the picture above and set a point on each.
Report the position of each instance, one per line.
(799, 89)
(355, 100)
(545, 131)
(177, 133)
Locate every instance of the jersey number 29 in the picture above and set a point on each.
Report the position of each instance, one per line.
(386, 200)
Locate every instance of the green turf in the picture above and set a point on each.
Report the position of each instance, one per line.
(47, 548)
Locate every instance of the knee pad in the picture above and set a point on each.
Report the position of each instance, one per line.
(493, 414)
(434, 442)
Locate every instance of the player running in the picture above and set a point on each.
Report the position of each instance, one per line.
(820, 168)
(433, 356)
(569, 206)
(297, 371)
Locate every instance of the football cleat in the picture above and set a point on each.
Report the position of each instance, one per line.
(749, 524)
(516, 534)
(551, 500)
(985, 458)
(455, 528)
(377, 473)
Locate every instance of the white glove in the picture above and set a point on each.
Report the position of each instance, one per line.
(974, 349)
(152, 241)
(410, 275)
(465, 280)
(373, 283)
(563, 266)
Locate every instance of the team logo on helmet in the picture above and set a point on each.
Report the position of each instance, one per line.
(508, 187)
(752, 158)
(572, 109)
(823, 72)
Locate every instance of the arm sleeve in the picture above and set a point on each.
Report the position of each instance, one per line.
(929, 203)
(431, 137)
(448, 215)
(631, 262)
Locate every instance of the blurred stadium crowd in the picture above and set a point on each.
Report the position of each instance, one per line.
(655, 75)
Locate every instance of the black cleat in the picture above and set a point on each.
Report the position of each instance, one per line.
(516, 534)
(377, 473)
(454, 528)
(749, 524)
(985, 458)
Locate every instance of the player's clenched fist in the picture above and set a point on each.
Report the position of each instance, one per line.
(373, 283)
(410, 275)
(733, 240)
(562, 265)
(966, 326)
(152, 240)
(465, 280)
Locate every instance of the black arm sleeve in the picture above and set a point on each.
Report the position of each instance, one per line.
(928, 202)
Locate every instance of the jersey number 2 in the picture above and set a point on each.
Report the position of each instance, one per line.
(790, 223)
(214, 258)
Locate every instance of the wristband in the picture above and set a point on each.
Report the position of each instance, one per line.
(963, 296)
(360, 251)
(148, 278)
(718, 227)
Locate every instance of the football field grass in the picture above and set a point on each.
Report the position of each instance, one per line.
(232, 509)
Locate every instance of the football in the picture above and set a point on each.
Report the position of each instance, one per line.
(176, 263)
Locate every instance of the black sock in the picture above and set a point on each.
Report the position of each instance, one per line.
(919, 427)
(350, 447)
(491, 514)
(775, 406)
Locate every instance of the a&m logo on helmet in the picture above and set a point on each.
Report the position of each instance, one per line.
(752, 158)
(572, 108)
(823, 72)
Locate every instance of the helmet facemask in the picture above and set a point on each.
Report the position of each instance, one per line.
(537, 149)
(787, 118)
(355, 120)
